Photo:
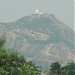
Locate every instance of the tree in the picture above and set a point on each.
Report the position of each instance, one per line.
(2, 40)
(69, 69)
(55, 68)
(13, 63)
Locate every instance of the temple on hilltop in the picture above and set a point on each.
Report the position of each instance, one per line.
(38, 12)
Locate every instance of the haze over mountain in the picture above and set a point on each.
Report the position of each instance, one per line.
(41, 38)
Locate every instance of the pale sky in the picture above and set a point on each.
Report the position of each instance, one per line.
(11, 10)
(74, 15)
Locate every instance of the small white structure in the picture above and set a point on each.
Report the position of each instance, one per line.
(38, 12)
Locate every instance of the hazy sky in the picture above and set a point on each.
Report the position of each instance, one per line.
(11, 10)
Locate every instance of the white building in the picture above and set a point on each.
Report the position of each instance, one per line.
(38, 12)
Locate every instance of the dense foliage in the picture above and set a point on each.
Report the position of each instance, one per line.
(12, 63)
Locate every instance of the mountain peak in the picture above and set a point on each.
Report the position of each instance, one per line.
(41, 14)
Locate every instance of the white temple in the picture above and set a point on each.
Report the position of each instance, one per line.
(38, 12)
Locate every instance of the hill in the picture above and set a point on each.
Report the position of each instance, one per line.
(41, 38)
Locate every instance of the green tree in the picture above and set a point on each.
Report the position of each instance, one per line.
(69, 69)
(13, 63)
(2, 40)
(55, 68)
